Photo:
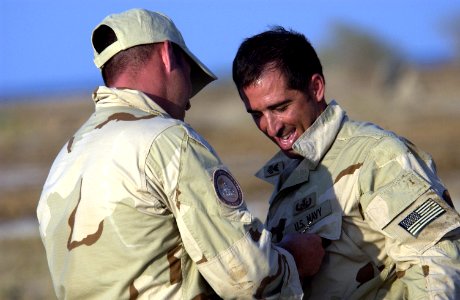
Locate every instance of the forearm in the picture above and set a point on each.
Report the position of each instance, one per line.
(253, 269)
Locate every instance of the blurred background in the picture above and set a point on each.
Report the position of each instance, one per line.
(396, 63)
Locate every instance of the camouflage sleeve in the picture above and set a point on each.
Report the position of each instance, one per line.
(405, 200)
(232, 249)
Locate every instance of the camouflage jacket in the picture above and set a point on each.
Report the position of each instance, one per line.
(388, 222)
(138, 205)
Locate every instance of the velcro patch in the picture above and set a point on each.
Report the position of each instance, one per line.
(312, 216)
(227, 188)
(421, 217)
(304, 203)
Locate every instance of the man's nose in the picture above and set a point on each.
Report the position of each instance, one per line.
(272, 125)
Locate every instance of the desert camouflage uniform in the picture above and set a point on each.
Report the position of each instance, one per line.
(377, 203)
(138, 205)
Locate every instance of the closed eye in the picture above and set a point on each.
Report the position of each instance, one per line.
(281, 108)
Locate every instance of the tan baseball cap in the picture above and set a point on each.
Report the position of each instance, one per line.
(140, 26)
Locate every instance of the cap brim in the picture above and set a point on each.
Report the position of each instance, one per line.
(200, 74)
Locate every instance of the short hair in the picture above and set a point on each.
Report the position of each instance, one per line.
(132, 59)
(288, 51)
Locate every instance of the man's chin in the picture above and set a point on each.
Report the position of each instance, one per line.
(291, 154)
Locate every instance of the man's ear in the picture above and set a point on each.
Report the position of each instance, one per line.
(167, 55)
(317, 87)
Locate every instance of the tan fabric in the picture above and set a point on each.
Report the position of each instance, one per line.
(139, 27)
(378, 200)
(137, 205)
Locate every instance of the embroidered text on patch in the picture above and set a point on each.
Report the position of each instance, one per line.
(227, 189)
(422, 216)
(307, 219)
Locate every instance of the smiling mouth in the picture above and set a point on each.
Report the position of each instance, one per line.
(286, 141)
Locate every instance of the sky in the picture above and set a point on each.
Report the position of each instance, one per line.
(45, 44)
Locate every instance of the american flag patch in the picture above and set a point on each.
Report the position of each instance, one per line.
(422, 216)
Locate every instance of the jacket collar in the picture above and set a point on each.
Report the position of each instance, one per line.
(106, 96)
(312, 145)
(318, 138)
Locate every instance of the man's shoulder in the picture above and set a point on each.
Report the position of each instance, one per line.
(360, 129)
(366, 138)
(176, 130)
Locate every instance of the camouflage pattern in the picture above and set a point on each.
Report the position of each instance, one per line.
(387, 220)
(137, 205)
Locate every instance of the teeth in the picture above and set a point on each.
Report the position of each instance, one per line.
(285, 137)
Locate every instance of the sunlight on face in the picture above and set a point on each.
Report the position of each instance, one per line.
(282, 114)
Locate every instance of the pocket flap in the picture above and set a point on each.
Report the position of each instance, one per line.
(396, 197)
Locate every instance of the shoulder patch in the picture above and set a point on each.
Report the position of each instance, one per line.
(227, 188)
(421, 217)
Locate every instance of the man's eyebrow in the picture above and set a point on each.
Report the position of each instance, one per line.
(271, 107)
(274, 106)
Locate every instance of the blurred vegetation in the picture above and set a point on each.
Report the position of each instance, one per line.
(24, 273)
(368, 76)
(451, 27)
(361, 54)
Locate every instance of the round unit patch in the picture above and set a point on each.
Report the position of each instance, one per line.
(227, 189)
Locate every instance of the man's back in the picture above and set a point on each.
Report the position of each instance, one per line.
(109, 231)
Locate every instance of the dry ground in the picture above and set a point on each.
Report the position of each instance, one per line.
(425, 109)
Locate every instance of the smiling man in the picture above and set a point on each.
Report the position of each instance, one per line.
(283, 114)
(387, 222)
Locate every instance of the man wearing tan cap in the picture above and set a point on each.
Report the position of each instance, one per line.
(138, 205)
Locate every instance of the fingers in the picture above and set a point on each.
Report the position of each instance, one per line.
(307, 250)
